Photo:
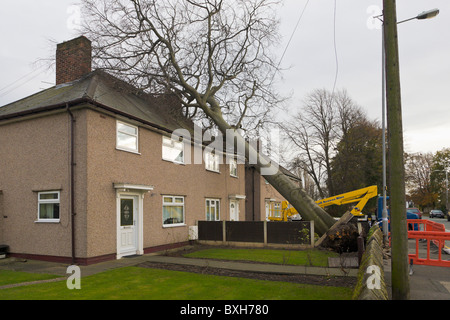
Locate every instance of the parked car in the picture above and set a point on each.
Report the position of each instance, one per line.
(437, 213)
(416, 211)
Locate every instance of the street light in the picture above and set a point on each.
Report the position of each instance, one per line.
(424, 15)
(421, 16)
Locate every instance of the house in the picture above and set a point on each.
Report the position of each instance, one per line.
(262, 200)
(89, 172)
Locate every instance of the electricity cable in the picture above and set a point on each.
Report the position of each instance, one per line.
(293, 32)
(335, 50)
(16, 84)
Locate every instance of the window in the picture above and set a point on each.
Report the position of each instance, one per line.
(273, 209)
(233, 168)
(212, 161)
(173, 210)
(127, 137)
(172, 150)
(48, 206)
(212, 210)
(277, 209)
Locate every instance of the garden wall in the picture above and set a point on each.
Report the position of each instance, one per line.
(371, 283)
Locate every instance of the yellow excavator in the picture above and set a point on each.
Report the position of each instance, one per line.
(361, 196)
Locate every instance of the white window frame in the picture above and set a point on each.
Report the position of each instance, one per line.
(173, 204)
(274, 209)
(136, 136)
(175, 145)
(213, 203)
(49, 201)
(233, 168)
(212, 162)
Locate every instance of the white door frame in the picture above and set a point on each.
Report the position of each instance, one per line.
(236, 209)
(138, 223)
(137, 191)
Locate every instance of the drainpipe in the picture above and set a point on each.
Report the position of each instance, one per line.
(72, 184)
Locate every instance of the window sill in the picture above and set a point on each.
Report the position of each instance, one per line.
(174, 162)
(214, 171)
(127, 150)
(174, 225)
(52, 221)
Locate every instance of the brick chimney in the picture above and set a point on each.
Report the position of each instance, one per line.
(73, 59)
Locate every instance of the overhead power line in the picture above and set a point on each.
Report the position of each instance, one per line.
(21, 81)
(335, 48)
(293, 32)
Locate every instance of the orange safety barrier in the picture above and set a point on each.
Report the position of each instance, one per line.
(429, 231)
(427, 225)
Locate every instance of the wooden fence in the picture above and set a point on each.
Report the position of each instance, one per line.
(259, 233)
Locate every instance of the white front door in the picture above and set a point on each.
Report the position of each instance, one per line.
(128, 219)
(234, 210)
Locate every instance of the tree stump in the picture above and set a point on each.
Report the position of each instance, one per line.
(342, 236)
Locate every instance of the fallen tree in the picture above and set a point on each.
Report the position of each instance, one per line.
(213, 55)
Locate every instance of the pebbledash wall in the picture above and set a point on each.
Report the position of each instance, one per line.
(109, 166)
(35, 157)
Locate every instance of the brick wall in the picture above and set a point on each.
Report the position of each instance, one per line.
(73, 59)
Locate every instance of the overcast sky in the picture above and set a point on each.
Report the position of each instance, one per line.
(30, 29)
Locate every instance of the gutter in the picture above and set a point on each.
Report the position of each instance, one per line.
(72, 180)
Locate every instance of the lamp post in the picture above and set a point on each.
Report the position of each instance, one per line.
(421, 16)
(398, 227)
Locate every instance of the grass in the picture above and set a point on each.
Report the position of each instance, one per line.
(136, 283)
(316, 258)
(11, 277)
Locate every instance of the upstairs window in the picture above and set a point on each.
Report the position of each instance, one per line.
(233, 168)
(212, 161)
(48, 206)
(127, 137)
(172, 150)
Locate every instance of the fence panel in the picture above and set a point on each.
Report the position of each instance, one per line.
(210, 230)
(289, 233)
(245, 231)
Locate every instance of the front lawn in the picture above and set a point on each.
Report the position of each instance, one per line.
(136, 283)
(10, 277)
(316, 258)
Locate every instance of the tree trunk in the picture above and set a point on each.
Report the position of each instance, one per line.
(298, 198)
(295, 195)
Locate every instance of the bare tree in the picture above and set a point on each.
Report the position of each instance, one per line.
(324, 120)
(213, 54)
(418, 170)
(307, 159)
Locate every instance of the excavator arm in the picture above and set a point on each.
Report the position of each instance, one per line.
(361, 196)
